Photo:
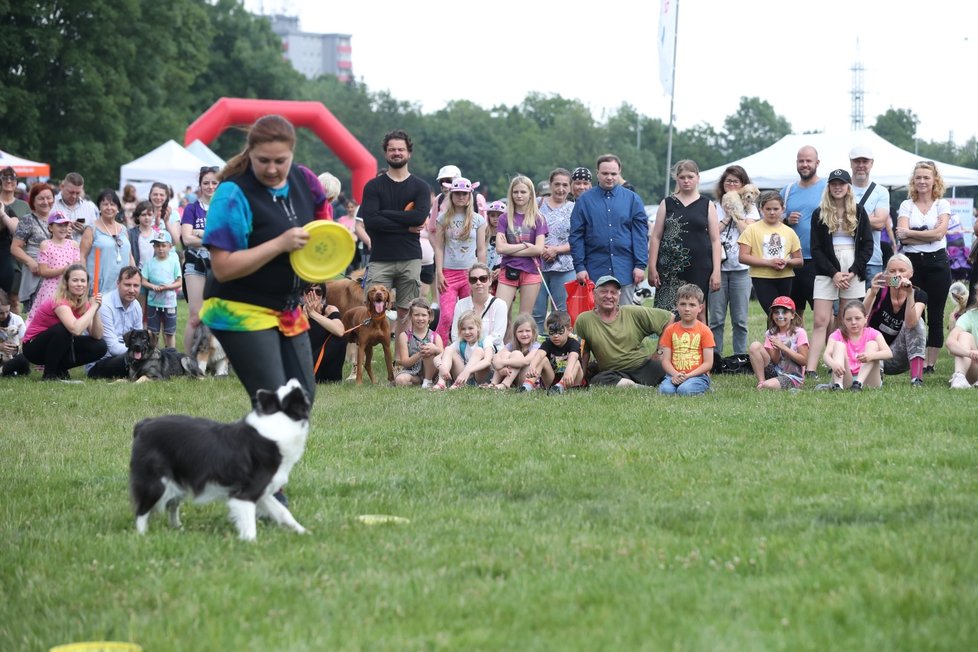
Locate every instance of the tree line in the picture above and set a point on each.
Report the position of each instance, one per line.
(88, 85)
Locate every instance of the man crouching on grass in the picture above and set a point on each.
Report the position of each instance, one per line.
(687, 347)
(614, 335)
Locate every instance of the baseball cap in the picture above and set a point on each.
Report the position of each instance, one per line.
(448, 172)
(58, 218)
(860, 151)
(783, 302)
(839, 175)
(497, 206)
(607, 278)
(161, 236)
(581, 174)
(461, 184)
(543, 188)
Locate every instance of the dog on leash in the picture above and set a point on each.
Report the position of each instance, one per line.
(371, 327)
(243, 463)
(346, 294)
(147, 362)
(208, 352)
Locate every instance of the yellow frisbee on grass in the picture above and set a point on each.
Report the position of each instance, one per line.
(328, 252)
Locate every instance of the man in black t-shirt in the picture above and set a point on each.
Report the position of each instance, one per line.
(394, 209)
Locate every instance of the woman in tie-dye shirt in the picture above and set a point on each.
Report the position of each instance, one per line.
(252, 298)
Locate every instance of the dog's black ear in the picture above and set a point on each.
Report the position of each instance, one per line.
(127, 338)
(266, 402)
(153, 339)
(296, 404)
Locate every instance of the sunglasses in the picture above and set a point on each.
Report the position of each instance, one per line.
(209, 168)
(479, 279)
(317, 291)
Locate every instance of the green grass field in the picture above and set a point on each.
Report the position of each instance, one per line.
(599, 520)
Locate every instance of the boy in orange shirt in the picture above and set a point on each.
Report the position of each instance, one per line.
(687, 347)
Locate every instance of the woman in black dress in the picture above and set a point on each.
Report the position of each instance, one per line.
(685, 243)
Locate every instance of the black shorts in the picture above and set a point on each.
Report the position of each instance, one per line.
(428, 274)
(803, 285)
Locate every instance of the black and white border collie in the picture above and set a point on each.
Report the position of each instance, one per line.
(242, 463)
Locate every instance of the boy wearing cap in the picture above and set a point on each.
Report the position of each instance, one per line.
(161, 276)
(615, 334)
(687, 347)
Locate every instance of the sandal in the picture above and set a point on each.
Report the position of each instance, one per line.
(439, 386)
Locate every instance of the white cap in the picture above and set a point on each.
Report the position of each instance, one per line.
(449, 172)
(860, 151)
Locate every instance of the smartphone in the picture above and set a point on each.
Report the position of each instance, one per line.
(894, 281)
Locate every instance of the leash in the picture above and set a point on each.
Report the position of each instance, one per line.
(322, 351)
(545, 286)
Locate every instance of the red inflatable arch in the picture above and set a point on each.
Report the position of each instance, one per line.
(229, 111)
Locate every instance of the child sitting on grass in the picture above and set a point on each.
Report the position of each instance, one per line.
(417, 348)
(687, 347)
(962, 343)
(557, 363)
(855, 352)
(464, 358)
(512, 363)
(779, 363)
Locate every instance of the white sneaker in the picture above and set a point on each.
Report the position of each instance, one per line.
(426, 383)
(958, 381)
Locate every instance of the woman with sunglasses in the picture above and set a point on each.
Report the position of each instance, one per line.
(196, 259)
(325, 334)
(110, 239)
(494, 312)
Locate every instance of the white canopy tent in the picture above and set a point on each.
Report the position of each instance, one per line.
(169, 163)
(205, 153)
(774, 167)
(24, 167)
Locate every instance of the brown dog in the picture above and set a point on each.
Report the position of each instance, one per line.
(344, 293)
(371, 327)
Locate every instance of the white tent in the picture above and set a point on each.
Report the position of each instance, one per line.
(24, 167)
(205, 153)
(169, 163)
(774, 167)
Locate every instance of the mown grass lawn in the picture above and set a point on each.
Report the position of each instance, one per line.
(600, 520)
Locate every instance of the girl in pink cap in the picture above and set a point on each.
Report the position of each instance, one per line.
(779, 363)
(459, 242)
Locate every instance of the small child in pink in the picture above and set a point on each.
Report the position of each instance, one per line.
(855, 352)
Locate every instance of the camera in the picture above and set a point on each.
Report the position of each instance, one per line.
(894, 281)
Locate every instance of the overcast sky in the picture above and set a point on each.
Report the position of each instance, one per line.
(797, 56)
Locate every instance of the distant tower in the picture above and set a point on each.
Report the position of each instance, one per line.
(857, 92)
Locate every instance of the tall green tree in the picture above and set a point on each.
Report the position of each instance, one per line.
(899, 126)
(84, 93)
(754, 126)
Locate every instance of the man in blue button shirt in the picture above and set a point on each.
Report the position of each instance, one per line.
(120, 313)
(609, 232)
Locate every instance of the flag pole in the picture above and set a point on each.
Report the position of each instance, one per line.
(672, 97)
